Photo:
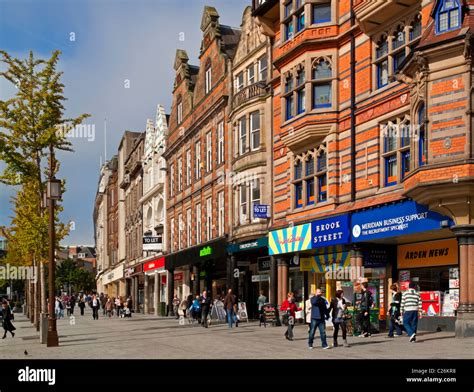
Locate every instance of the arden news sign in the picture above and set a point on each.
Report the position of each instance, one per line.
(428, 254)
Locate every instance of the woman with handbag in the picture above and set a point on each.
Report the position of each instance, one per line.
(338, 307)
(7, 317)
(394, 312)
(290, 308)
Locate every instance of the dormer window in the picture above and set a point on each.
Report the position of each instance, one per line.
(448, 16)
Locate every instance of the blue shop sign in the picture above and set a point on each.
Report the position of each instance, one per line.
(394, 220)
(330, 231)
(261, 211)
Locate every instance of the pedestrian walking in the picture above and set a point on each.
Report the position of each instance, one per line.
(289, 306)
(196, 309)
(319, 315)
(118, 306)
(109, 307)
(366, 303)
(103, 301)
(7, 318)
(95, 304)
(338, 307)
(72, 304)
(230, 302)
(410, 309)
(308, 306)
(129, 305)
(82, 304)
(68, 305)
(261, 301)
(394, 311)
(205, 308)
(176, 302)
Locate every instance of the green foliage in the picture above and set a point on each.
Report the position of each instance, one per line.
(69, 273)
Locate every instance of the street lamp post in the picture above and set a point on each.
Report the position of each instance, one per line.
(53, 193)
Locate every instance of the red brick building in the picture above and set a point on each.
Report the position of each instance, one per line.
(372, 149)
(198, 162)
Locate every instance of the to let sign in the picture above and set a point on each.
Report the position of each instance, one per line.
(261, 211)
(152, 243)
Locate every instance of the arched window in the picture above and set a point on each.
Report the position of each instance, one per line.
(322, 84)
(422, 144)
(448, 16)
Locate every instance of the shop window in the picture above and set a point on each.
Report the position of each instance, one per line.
(322, 13)
(448, 16)
(322, 84)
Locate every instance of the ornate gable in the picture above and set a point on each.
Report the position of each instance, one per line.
(250, 38)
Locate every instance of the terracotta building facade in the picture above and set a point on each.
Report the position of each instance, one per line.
(372, 151)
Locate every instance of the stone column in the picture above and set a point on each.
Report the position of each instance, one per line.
(273, 287)
(282, 278)
(146, 304)
(170, 284)
(156, 289)
(356, 260)
(465, 313)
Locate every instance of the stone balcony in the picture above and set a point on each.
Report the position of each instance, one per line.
(247, 94)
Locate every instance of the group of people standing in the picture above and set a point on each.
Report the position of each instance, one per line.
(404, 312)
(62, 302)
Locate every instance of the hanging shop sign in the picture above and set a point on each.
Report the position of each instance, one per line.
(152, 243)
(260, 278)
(330, 231)
(178, 276)
(428, 254)
(290, 239)
(394, 220)
(157, 264)
(206, 251)
(247, 246)
(261, 211)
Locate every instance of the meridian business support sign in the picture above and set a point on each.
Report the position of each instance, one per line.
(394, 220)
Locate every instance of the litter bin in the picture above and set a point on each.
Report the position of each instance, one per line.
(162, 309)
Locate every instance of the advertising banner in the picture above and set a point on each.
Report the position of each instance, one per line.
(394, 220)
(290, 239)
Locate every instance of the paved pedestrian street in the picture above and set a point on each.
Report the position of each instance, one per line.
(149, 337)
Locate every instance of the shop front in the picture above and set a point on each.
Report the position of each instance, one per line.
(311, 256)
(135, 279)
(206, 267)
(155, 286)
(113, 281)
(249, 257)
(434, 267)
(386, 239)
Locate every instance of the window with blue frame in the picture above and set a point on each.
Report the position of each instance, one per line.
(289, 98)
(300, 92)
(322, 84)
(300, 21)
(448, 16)
(422, 143)
(381, 53)
(289, 30)
(396, 149)
(393, 47)
(310, 178)
(322, 13)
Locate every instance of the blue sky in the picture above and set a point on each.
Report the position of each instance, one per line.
(104, 43)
